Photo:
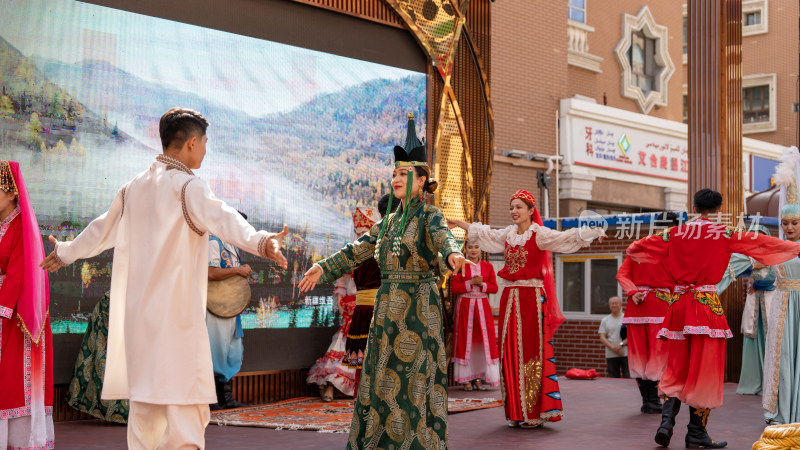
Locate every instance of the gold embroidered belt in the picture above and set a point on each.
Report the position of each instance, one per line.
(531, 282)
(366, 297)
(406, 276)
(787, 284)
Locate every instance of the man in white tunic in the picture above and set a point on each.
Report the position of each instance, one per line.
(158, 348)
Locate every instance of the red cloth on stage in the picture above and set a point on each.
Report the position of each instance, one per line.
(473, 316)
(581, 374)
(697, 255)
(22, 363)
(529, 383)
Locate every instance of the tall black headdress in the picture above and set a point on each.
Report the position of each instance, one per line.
(411, 154)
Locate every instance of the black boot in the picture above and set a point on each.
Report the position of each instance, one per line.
(698, 437)
(653, 403)
(230, 402)
(668, 412)
(643, 391)
(220, 395)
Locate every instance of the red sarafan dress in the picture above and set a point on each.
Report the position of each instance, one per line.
(529, 315)
(696, 255)
(26, 374)
(475, 354)
(647, 357)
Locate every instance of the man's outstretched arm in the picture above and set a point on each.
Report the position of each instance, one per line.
(97, 237)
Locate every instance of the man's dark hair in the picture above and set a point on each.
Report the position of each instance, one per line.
(706, 200)
(668, 218)
(383, 203)
(178, 125)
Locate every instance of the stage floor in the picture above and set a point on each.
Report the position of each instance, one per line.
(599, 414)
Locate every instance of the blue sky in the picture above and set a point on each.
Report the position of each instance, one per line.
(255, 76)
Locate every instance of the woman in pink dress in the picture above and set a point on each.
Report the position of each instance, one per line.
(26, 351)
(475, 354)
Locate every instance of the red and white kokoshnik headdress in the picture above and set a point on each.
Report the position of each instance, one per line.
(524, 195)
(365, 217)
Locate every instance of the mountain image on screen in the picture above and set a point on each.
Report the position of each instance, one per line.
(321, 145)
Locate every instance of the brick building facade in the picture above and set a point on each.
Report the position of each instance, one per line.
(565, 67)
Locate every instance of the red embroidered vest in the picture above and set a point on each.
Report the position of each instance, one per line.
(523, 262)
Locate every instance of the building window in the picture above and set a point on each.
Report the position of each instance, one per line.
(587, 282)
(577, 10)
(685, 36)
(754, 17)
(643, 55)
(685, 108)
(758, 103)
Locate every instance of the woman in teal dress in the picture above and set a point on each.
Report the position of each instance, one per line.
(781, 392)
(402, 394)
(761, 281)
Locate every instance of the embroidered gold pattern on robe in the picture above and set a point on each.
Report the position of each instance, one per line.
(402, 397)
(533, 382)
(668, 297)
(710, 299)
(516, 259)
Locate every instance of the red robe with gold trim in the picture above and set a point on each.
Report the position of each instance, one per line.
(23, 364)
(529, 383)
(697, 255)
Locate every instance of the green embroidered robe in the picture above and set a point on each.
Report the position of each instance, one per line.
(402, 395)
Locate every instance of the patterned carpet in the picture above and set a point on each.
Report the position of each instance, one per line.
(310, 413)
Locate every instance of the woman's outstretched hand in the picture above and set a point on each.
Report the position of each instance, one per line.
(310, 279)
(453, 223)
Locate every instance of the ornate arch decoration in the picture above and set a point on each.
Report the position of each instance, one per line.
(646, 24)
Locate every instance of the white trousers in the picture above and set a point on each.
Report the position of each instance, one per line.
(167, 427)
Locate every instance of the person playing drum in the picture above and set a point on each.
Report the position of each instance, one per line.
(225, 333)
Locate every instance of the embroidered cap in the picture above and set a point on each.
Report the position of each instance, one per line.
(525, 196)
(7, 183)
(365, 217)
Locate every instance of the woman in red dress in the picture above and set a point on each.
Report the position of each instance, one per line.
(475, 355)
(26, 382)
(529, 384)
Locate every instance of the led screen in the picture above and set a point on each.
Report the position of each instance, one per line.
(297, 136)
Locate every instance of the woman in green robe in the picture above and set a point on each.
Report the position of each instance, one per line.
(87, 379)
(402, 395)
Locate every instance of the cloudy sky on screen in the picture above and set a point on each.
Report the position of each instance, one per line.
(252, 75)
